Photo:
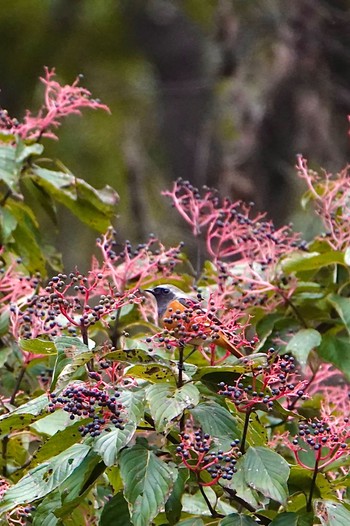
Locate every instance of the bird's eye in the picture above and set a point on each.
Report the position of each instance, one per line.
(166, 291)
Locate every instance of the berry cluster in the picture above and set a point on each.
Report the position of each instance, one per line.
(328, 441)
(123, 263)
(195, 452)
(73, 302)
(82, 400)
(265, 384)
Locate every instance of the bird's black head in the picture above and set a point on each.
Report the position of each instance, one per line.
(163, 294)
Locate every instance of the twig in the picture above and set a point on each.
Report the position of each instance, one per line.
(180, 366)
(294, 309)
(245, 430)
(246, 505)
(18, 383)
(210, 507)
(313, 483)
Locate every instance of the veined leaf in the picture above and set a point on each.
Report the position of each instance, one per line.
(72, 353)
(332, 513)
(12, 158)
(238, 519)
(167, 402)
(267, 472)
(173, 505)
(218, 422)
(44, 478)
(116, 512)
(26, 236)
(300, 261)
(241, 487)
(342, 306)
(8, 224)
(148, 482)
(58, 442)
(302, 343)
(153, 372)
(23, 415)
(335, 349)
(93, 207)
(37, 346)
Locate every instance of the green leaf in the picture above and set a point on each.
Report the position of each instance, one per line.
(195, 503)
(167, 402)
(288, 518)
(108, 444)
(342, 306)
(44, 515)
(241, 488)
(347, 256)
(37, 346)
(44, 478)
(239, 367)
(148, 482)
(134, 356)
(300, 261)
(302, 343)
(332, 513)
(285, 519)
(8, 224)
(196, 521)
(173, 506)
(58, 442)
(267, 472)
(335, 349)
(93, 207)
(26, 236)
(72, 353)
(218, 422)
(237, 519)
(116, 512)
(9, 172)
(23, 415)
(153, 372)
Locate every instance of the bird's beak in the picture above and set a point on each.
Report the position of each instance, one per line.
(150, 291)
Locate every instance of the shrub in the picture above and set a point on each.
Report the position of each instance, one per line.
(237, 412)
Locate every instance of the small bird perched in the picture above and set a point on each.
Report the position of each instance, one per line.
(182, 314)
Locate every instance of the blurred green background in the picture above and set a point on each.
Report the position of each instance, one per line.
(221, 92)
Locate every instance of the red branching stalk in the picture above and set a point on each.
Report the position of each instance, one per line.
(15, 286)
(328, 437)
(73, 302)
(195, 209)
(60, 101)
(331, 197)
(201, 325)
(139, 265)
(198, 456)
(265, 384)
(245, 248)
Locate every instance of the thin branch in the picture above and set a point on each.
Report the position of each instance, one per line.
(245, 430)
(18, 383)
(213, 513)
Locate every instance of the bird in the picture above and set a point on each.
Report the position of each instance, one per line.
(182, 315)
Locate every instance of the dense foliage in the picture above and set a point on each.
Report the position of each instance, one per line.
(108, 418)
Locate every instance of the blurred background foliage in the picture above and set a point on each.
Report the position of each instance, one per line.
(221, 92)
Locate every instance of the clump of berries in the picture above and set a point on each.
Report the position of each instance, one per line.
(197, 455)
(328, 441)
(85, 401)
(73, 302)
(265, 384)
